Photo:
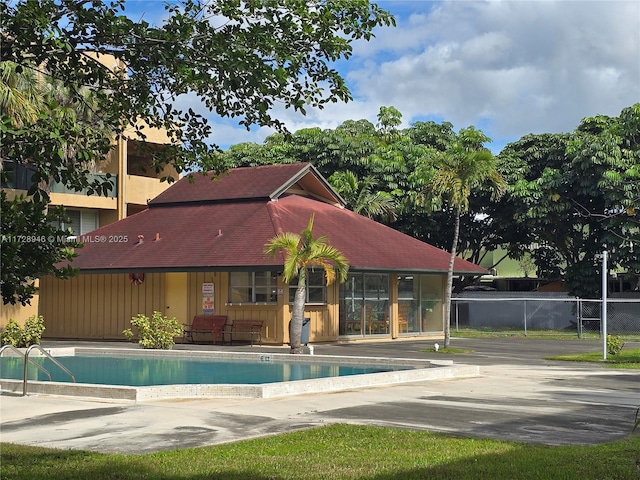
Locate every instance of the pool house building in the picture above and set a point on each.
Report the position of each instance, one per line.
(198, 249)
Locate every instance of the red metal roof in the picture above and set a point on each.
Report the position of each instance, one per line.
(197, 234)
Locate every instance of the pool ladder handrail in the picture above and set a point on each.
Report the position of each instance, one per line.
(50, 357)
(37, 365)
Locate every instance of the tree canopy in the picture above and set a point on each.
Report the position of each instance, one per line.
(575, 195)
(238, 59)
(567, 195)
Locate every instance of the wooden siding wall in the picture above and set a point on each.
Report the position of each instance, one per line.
(97, 306)
(100, 307)
(194, 292)
(267, 313)
(324, 318)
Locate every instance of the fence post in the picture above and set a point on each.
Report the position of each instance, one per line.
(525, 316)
(457, 325)
(603, 314)
(579, 316)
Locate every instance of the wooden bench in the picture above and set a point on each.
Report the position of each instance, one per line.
(213, 324)
(251, 328)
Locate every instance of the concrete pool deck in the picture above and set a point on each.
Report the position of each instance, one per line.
(518, 396)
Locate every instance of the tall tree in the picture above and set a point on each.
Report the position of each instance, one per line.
(39, 253)
(302, 252)
(463, 166)
(238, 58)
(575, 194)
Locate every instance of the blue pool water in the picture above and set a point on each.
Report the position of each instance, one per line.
(148, 371)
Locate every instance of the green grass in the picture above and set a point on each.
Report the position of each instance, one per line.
(337, 452)
(545, 334)
(628, 359)
(447, 350)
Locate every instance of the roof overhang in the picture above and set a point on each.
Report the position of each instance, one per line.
(264, 268)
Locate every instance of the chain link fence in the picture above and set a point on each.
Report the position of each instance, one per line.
(553, 314)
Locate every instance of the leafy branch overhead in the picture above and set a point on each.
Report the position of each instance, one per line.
(238, 58)
(78, 75)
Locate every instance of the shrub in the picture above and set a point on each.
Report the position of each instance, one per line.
(614, 344)
(29, 334)
(158, 331)
(12, 334)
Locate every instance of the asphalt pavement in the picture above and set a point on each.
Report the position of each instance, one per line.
(519, 396)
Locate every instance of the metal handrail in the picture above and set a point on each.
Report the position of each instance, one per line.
(46, 354)
(35, 364)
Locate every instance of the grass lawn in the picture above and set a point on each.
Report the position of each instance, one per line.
(543, 334)
(626, 358)
(337, 452)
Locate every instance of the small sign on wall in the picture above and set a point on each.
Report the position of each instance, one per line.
(208, 297)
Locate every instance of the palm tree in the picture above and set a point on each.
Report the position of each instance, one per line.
(21, 94)
(361, 198)
(463, 167)
(27, 95)
(301, 253)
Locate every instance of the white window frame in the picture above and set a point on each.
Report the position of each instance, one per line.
(84, 220)
(268, 288)
(312, 276)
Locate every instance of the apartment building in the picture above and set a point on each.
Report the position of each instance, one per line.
(135, 182)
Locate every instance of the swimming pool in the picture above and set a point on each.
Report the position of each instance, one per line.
(144, 371)
(153, 375)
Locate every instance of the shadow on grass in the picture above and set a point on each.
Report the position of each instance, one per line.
(30, 463)
(619, 460)
(479, 461)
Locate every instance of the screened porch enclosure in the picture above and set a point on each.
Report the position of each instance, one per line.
(366, 306)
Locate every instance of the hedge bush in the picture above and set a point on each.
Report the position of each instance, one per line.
(25, 336)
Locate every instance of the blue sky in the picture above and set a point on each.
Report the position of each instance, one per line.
(506, 67)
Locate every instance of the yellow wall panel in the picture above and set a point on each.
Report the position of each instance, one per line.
(176, 296)
(98, 306)
(18, 312)
(194, 292)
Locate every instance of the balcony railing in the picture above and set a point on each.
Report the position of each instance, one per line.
(56, 187)
(17, 176)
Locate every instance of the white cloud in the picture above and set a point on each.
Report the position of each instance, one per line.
(508, 67)
(524, 66)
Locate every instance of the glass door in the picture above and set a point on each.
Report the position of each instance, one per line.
(364, 305)
(376, 304)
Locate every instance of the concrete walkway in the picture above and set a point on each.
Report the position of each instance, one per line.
(519, 396)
